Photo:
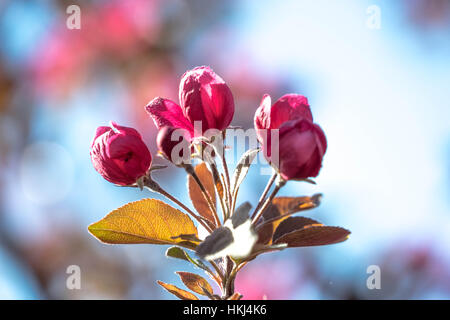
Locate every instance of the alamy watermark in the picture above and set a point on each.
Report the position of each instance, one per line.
(73, 281)
(206, 145)
(73, 21)
(374, 280)
(373, 21)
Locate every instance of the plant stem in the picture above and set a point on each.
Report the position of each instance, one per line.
(217, 180)
(227, 174)
(219, 272)
(264, 194)
(279, 184)
(155, 187)
(229, 284)
(234, 199)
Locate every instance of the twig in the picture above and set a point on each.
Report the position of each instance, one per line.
(279, 184)
(266, 191)
(227, 174)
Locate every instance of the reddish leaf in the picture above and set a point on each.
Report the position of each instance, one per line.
(314, 236)
(196, 195)
(264, 248)
(196, 283)
(265, 232)
(289, 205)
(218, 183)
(180, 293)
(235, 296)
(293, 224)
(280, 209)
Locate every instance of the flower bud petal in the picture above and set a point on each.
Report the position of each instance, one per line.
(165, 112)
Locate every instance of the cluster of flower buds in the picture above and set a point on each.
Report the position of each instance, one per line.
(291, 142)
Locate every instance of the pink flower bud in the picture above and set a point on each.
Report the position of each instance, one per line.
(205, 97)
(174, 144)
(301, 143)
(288, 107)
(119, 154)
(206, 104)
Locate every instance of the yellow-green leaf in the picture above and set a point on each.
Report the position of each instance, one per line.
(195, 283)
(145, 221)
(177, 253)
(180, 293)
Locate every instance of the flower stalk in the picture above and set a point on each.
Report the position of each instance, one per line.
(278, 185)
(265, 192)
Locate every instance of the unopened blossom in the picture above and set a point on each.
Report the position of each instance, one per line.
(205, 97)
(119, 154)
(301, 144)
(174, 144)
(206, 104)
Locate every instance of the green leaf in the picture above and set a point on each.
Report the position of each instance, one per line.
(146, 221)
(177, 253)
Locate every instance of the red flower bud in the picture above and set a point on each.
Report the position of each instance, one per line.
(119, 154)
(301, 144)
(288, 107)
(205, 97)
(174, 144)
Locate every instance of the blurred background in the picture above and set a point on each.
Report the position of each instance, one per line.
(377, 76)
